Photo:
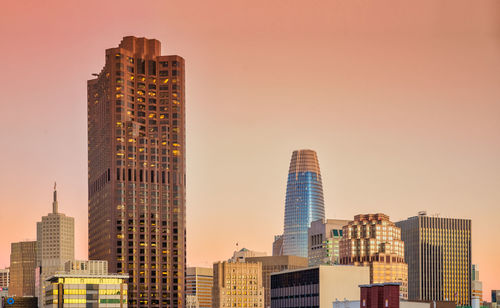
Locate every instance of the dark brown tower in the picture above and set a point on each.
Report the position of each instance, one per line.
(136, 148)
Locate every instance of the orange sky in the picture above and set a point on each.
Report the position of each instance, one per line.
(400, 99)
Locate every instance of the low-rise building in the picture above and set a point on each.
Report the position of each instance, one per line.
(317, 286)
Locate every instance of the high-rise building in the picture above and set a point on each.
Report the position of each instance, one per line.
(237, 284)
(22, 269)
(324, 241)
(55, 238)
(137, 179)
(476, 288)
(317, 286)
(373, 240)
(495, 296)
(438, 253)
(278, 245)
(276, 264)
(304, 201)
(199, 283)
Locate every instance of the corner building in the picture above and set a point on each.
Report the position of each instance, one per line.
(304, 201)
(136, 156)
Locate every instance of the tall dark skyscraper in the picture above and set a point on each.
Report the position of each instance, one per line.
(136, 177)
(438, 253)
(304, 201)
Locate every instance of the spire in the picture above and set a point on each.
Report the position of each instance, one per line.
(54, 204)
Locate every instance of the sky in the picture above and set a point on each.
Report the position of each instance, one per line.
(400, 99)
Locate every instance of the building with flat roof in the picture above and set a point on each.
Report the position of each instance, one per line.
(237, 284)
(324, 237)
(373, 240)
(244, 253)
(136, 170)
(275, 264)
(318, 286)
(438, 253)
(22, 269)
(199, 283)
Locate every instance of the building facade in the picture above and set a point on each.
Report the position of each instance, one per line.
(317, 287)
(4, 278)
(324, 241)
(199, 283)
(276, 264)
(476, 288)
(55, 237)
(278, 245)
(244, 253)
(137, 179)
(373, 240)
(80, 290)
(237, 284)
(22, 269)
(438, 253)
(304, 201)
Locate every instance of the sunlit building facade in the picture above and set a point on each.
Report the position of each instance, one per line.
(304, 201)
(199, 283)
(137, 179)
(22, 269)
(438, 253)
(324, 237)
(373, 240)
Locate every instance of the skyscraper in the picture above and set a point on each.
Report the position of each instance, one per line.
(22, 269)
(373, 240)
(199, 283)
(324, 241)
(55, 240)
(136, 155)
(438, 253)
(304, 201)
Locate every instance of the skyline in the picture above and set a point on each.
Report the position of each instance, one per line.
(401, 104)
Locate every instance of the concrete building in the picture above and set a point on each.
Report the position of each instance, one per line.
(244, 253)
(136, 177)
(438, 253)
(324, 241)
(476, 288)
(199, 283)
(278, 245)
(22, 269)
(4, 278)
(495, 296)
(276, 264)
(86, 267)
(304, 201)
(55, 237)
(81, 290)
(237, 284)
(317, 286)
(373, 240)
(192, 301)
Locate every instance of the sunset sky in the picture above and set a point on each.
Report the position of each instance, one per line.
(400, 99)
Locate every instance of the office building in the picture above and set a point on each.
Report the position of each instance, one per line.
(86, 267)
(136, 180)
(4, 278)
(373, 240)
(192, 301)
(324, 241)
(244, 253)
(438, 253)
(199, 283)
(495, 296)
(278, 245)
(82, 290)
(303, 203)
(276, 264)
(237, 284)
(55, 237)
(22, 269)
(317, 286)
(476, 288)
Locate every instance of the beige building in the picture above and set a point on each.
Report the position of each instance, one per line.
(244, 253)
(22, 269)
(324, 237)
(276, 264)
(237, 284)
(4, 278)
(373, 240)
(199, 283)
(317, 286)
(86, 267)
(55, 236)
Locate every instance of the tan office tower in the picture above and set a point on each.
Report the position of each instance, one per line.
(237, 284)
(136, 154)
(22, 269)
(275, 264)
(373, 240)
(324, 237)
(4, 278)
(438, 252)
(55, 237)
(199, 283)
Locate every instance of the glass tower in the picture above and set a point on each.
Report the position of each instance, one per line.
(304, 201)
